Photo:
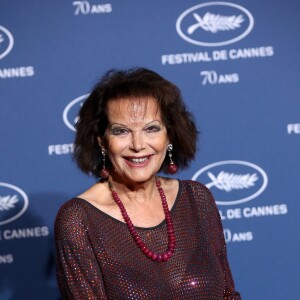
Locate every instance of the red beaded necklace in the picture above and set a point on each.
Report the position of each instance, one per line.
(171, 236)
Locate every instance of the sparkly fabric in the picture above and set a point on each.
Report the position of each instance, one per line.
(98, 259)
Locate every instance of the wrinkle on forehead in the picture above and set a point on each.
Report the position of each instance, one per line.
(134, 110)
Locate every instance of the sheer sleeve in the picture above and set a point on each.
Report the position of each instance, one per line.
(217, 240)
(220, 246)
(78, 273)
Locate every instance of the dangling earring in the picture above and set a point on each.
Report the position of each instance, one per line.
(104, 172)
(172, 168)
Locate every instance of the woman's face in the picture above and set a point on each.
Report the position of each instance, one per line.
(136, 139)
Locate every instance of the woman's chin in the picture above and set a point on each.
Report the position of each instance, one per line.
(139, 176)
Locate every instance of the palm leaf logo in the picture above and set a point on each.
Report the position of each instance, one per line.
(214, 23)
(1, 38)
(230, 181)
(8, 202)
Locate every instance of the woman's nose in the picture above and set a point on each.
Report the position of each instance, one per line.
(137, 141)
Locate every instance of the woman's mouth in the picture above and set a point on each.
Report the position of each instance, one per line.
(137, 161)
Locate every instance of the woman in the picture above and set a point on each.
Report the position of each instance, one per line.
(134, 234)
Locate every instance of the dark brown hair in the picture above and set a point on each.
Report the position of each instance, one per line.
(133, 83)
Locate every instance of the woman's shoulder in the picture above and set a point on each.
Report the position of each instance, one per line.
(196, 186)
(70, 219)
(197, 192)
(72, 206)
(73, 210)
(78, 209)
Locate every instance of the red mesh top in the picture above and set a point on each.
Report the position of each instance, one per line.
(98, 259)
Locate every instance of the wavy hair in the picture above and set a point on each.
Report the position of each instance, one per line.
(133, 83)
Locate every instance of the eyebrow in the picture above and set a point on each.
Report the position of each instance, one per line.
(120, 124)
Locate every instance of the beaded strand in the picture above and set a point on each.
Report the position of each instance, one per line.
(159, 257)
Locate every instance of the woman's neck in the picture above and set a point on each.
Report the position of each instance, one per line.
(139, 192)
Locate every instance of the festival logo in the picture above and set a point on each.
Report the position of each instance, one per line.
(233, 181)
(70, 114)
(13, 203)
(6, 42)
(214, 24)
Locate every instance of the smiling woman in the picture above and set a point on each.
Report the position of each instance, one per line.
(133, 234)
(136, 139)
(137, 86)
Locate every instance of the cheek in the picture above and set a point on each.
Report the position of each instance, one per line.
(116, 145)
(115, 148)
(161, 142)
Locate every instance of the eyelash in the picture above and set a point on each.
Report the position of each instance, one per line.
(124, 131)
(118, 131)
(153, 128)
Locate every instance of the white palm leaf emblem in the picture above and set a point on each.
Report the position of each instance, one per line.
(8, 202)
(230, 181)
(214, 23)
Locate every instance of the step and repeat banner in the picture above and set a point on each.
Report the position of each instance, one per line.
(237, 64)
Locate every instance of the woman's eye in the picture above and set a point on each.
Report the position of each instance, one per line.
(153, 129)
(119, 131)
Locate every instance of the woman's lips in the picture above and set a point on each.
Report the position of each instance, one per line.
(137, 161)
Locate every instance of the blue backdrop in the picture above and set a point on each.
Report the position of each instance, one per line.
(237, 64)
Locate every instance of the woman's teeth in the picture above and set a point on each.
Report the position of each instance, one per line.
(138, 160)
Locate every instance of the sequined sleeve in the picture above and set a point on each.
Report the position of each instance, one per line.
(78, 274)
(220, 248)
